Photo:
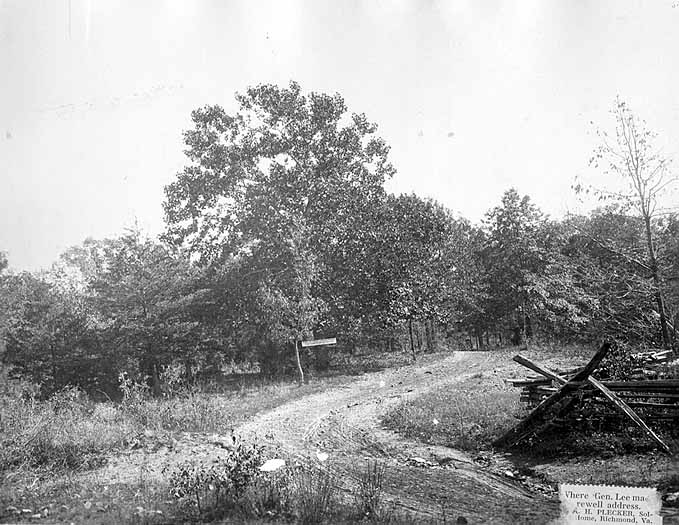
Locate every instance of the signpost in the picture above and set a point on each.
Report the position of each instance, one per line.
(319, 342)
(306, 344)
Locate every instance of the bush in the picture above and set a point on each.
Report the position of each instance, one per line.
(135, 400)
(211, 491)
(315, 494)
(369, 496)
(270, 495)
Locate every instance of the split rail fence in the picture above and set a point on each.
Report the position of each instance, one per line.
(561, 398)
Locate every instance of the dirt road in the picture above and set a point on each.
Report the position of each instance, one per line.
(423, 480)
(426, 482)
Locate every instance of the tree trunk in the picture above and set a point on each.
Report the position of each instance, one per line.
(412, 344)
(479, 338)
(155, 381)
(299, 363)
(188, 369)
(657, 283)
(525, 326)
(54, 367)
(427, 335)
(434, 334)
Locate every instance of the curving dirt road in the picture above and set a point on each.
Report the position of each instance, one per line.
(423, 480)
(426, 482)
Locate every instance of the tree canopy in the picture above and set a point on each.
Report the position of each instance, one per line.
(279, 229)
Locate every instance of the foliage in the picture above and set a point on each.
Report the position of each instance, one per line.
(315, 494)
(149, 299)
(528, 278)
(618, 365)
(65, 432)
(273, 199)
(622, 297)
(369, 494)
(212, 490)
(271, 496)
(279, 229)
(48, 334)
(289, 310)
(282, 157)
(414, 267)
(632, 156)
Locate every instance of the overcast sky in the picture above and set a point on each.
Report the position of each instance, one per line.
(473, 97)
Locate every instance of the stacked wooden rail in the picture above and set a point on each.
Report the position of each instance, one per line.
(536, 388)
(559, 396)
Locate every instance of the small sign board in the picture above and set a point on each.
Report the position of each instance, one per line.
(609, 504)
(319, 342)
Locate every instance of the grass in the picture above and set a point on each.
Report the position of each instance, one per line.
(467, 415)
(471, 413)
(369, 495)
(66, 432)
(64, 498)
(314, 493)
(50, 451)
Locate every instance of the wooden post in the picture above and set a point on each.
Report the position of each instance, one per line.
(299, 363)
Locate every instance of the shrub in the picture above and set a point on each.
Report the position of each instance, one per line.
(315, 494)
(369, 496)
(135, 400)
(270, 495)
(213, 490)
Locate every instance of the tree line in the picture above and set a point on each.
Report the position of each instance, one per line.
(279, 229)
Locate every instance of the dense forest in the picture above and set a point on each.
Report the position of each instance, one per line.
(279, 229)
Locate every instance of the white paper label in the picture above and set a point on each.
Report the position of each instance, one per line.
(609, 504)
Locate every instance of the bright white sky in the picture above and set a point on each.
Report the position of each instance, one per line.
(473, 97)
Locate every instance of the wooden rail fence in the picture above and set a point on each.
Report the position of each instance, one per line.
(554, 396)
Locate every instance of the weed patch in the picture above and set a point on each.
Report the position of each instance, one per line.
(466, 415)
(64, 432)
(211, 491)
(369, 494)
(315, 495)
